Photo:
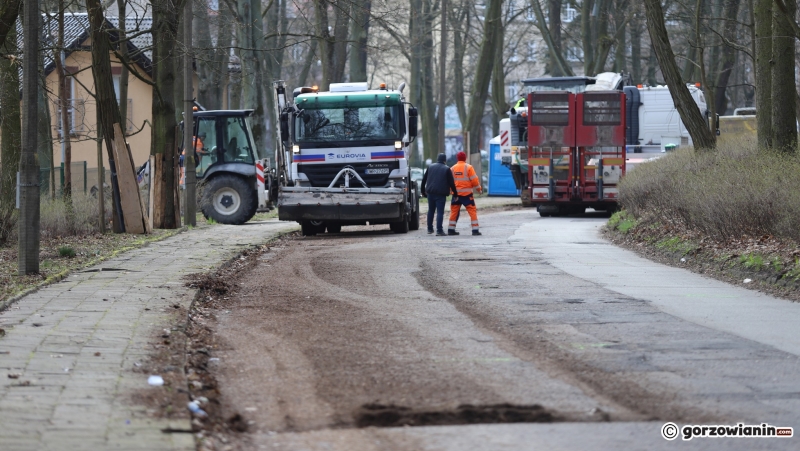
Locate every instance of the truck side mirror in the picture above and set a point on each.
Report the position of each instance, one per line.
(412, 122)
(284, 127)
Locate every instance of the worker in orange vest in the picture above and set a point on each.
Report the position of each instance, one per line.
(199, 151)
(466, 180)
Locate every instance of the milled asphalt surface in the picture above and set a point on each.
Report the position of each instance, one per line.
(78, 400)
(66, 396)
(573, 245)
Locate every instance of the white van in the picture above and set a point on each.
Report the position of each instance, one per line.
(653, 122)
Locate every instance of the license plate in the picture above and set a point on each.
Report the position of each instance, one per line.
(377, 171)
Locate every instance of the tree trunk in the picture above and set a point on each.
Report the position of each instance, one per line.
(430, 126)
(28, 222)
(727, 56)
(652, 66)
(762, 12)
(211, 60)
(560, 65)
(555, 50)
(480, 85)
(499, 105)
(415, 63)
(123, 76)
(333, 47)
(45, 130)
(9, 11)
(620, 46)
(63, 103)
(636, 45)
(587, 36)
(251, 39)
(11, 132)
(164, 142)
(459, 18)
(311, 56)
(360, 36)
(603, 40)
(687, 109)
(784, 90)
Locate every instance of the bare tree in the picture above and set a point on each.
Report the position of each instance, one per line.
(480, 85)
(784, 90)
(63, 104)
(333, 47)
(360, 37)
(28, 222)
(690, 115)
(164, 141)
(762, 12)
(10, 126)
(559, 65)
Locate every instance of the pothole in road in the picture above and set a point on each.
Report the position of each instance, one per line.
(391, 416)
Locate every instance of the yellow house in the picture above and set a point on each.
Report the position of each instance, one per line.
(81, 106)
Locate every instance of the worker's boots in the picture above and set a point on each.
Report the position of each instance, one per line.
(452, 232)
(476, 233)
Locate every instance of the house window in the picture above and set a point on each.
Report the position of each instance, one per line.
(74, 121)
(129, 115)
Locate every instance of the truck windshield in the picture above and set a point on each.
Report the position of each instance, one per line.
(364, 124)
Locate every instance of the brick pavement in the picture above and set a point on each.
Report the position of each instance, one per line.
(67, 397)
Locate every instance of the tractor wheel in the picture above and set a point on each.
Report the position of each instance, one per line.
(228, 199)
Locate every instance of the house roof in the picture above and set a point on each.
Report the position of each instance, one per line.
(77, 31)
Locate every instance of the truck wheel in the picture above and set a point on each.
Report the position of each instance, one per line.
(308, 229)
(400, 226)
(228, 199)
(413, 222)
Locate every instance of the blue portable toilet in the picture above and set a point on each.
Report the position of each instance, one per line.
(501, 183)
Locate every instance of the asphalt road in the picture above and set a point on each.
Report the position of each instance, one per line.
(335, 342)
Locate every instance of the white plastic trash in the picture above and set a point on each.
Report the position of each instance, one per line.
(155, 380)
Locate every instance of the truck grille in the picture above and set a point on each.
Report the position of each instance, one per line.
(321, 175)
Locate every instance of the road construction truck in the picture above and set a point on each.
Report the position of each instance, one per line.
(519, 118)
(576, 150)
(342, 158)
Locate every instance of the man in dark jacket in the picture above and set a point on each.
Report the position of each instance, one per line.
(437, 184)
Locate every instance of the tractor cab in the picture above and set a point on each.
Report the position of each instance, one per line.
(223, 142)
(229, 176)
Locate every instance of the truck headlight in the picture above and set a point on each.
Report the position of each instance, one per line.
(398, 145)
(296, 149)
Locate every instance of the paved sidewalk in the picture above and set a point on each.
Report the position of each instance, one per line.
(64, 395)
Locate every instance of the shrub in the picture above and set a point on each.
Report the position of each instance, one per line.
(66, 251)
(733, 191)
(57, 221)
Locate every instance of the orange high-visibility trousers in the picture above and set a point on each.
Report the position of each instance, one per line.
(455, 211)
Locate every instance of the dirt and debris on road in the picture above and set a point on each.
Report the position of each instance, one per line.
(364, 330)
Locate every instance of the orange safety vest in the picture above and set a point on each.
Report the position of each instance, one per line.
(465, 178)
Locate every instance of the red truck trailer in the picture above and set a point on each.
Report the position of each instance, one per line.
(576, 150)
